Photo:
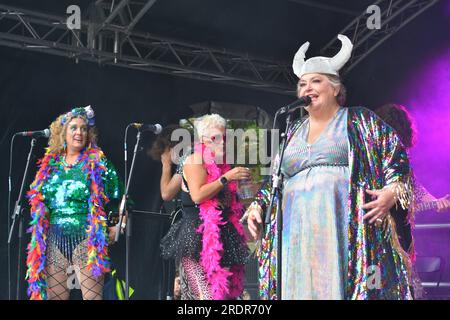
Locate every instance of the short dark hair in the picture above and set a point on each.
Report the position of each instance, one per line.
(162, 142)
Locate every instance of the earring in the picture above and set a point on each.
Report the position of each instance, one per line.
(65, 146)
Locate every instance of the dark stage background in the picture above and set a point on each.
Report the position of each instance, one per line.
(35, 88)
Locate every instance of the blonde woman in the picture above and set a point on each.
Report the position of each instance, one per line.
(208, 243)
(69, 200)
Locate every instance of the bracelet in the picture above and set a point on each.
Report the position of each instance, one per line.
(255, 205)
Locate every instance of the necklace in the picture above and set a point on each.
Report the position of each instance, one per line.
(70, 166)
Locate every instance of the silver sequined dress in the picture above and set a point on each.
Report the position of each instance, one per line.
(315, 207)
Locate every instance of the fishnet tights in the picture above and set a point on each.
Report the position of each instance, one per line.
(61, 278)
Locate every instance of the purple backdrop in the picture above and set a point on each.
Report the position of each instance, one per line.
(427, 96)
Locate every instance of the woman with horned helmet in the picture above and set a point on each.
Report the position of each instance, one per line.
(70, 196)
(343, 170)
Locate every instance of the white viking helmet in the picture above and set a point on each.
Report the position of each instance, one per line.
(322, 64)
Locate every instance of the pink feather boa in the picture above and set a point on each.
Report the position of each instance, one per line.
(225, 284)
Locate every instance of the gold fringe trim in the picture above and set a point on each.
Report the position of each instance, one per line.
(391, 231)
(404, 192)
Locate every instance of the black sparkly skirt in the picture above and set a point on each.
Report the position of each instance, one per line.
(183, 240)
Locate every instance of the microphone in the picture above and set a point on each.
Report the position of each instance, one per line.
(35, 134)
(301, 102)
(155, 128)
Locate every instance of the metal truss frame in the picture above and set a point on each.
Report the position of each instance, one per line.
(332, 8)
(107, 37)
(106, 43)
(395, 14)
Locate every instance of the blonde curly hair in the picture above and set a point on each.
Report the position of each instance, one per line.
(56, 142)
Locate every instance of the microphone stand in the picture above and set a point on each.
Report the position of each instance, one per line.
(18, 215)
(122, 214)
(276, 193)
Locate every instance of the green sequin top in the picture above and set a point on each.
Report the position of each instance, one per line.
(66, 195)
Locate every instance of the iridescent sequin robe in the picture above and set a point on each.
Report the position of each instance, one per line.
(378, 268)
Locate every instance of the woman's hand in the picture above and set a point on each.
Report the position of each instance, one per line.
(384, 200)
(166, 158)
(254, 220)
(238, 173)
(443, 204)
(112, 235)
